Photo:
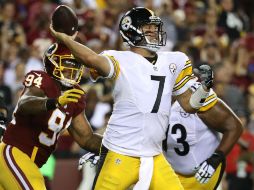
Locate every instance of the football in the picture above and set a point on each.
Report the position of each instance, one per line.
(64, 20)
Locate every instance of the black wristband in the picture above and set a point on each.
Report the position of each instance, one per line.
(51, 104)
(220, 154)
(217, 157)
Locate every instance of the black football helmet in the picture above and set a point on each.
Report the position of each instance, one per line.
(131, 24)
(60, 64)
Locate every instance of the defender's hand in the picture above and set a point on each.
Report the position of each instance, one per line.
(207, 168)
(88, 157)
(205, 73)
(69, 96)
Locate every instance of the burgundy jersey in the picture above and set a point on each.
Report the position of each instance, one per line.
(40, 132)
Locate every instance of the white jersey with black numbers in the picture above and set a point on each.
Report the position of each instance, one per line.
(189, 140)
(142, 100)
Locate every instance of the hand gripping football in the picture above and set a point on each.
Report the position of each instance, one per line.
(64, 20)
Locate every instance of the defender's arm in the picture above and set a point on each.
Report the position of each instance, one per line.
(82, 133)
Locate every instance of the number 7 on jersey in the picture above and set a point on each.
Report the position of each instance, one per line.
(161, 80)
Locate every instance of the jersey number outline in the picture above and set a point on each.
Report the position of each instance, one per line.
(55, 124)
(181, 139)
(157, 102)
(32, 79)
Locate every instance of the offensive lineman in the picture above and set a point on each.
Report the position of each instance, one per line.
(145, 81)
(194, 148)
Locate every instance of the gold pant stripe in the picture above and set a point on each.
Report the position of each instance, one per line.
(223, 167)
(35, 150)
(14, 168)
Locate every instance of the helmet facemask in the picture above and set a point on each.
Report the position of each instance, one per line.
(131, 29)
(66, 68)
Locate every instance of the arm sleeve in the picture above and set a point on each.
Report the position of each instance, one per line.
(185, 77)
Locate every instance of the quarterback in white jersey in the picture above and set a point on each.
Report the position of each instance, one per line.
(193, 148)
(145, 81)
(142, 97)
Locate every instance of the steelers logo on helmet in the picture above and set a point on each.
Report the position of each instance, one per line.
(126, 23)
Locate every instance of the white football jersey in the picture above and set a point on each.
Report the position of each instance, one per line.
(189, 140)
(142, 100)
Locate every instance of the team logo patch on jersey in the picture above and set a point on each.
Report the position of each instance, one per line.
(172, 68)
(126, 22)
(184, 114)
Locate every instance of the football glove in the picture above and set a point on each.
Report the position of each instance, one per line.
(88, 157)
(69, 96)
(205, 73)
(2, 125)
(206, 169)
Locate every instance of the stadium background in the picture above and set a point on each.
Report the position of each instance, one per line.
(215, 32)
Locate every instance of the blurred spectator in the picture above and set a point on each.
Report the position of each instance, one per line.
(227, 91)
(230, 20)
(210, 54)
(209, 32)
(5, 90)
(10, 30)
(183, 31)
(35, 60)
(166, 13)
(19, 76)
(251, 108)
(39, 16)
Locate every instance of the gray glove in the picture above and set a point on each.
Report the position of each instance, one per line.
(205, 74)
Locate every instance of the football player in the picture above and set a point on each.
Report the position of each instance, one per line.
(144, 82)
(51, 102)
(194, 147)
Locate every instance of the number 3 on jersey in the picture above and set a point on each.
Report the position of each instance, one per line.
(181, 140)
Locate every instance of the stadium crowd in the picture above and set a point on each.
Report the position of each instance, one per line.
(215, 32)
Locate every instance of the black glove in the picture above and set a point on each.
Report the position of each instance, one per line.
(205, 73)
(2, 125)
(207, 168)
